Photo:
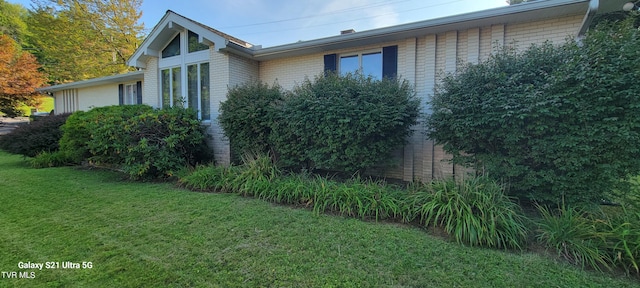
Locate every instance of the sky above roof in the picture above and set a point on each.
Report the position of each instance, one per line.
(277, 22)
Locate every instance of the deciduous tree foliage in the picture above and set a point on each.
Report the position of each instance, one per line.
(556, 123)
(78, 40)
(12, 21)
(19, 76)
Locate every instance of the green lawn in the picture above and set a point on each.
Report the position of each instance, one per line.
(155, 235)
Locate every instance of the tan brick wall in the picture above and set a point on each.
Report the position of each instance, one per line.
(555, 30)
(98, 96)
(219, 81)
(290, 72)
(242, 70)
(151, 84)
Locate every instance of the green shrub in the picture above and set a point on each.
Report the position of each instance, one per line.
(555, 123)
(474, 211)
(35, 137)
(76, 136)
(143, 142)
(154, 144)
(247, 117)
(110, 137)
(344, 123)
(103, 126)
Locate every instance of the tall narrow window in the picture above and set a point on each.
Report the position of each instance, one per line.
(176, 83)
(194, 43)
(205, 101)
(171, 87)
(198, 89)
(173, 49)
(130, 94)
(192, 87)
(166, 88)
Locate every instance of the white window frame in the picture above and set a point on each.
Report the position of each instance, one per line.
(184, 60)
(199, 86)
(359, 55)
(130, 99)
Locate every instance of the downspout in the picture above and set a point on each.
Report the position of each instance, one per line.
(588, 18)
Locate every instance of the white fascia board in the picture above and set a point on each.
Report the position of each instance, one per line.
(120, 78)
(168, 26)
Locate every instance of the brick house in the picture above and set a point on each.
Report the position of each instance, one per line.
(183, 62)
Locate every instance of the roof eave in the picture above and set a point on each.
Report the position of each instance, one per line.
(120, 78)
(170, 24)
(515, 13)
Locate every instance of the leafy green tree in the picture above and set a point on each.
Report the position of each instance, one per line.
(78, 40)
(555, 123)
(12, 21)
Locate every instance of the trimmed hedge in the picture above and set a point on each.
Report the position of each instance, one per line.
(35, 137)
(161, 142)
(558, 124)
(345, 123)
(143, 142)
(340, 123)
(247, 117)
(96, 130)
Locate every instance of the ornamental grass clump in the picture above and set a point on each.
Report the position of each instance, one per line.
(572, 233)
(473, 211)
(609, 238)
(621, 235)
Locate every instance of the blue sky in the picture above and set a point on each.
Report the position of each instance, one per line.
(277, 22)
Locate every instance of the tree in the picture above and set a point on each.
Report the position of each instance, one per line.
(555, 123)
(78, 40)
(19, 76)
(12, 21)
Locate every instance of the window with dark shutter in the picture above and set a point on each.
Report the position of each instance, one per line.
(377, 64)
(139, 92)
(390, 61)
(330, 63)
(121, 94)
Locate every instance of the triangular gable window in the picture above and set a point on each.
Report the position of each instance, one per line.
(194, 45)
(173, 49)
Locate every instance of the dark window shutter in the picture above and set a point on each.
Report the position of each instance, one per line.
(330, 63)
(139, 92)
(389, 61)
(120, 94)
